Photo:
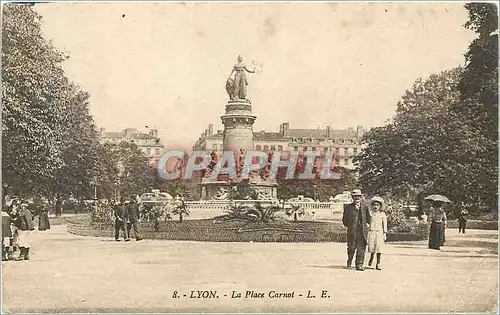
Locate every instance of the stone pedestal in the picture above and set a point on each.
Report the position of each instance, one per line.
(238, 121)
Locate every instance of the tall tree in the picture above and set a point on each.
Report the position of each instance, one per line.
(478, 107)
(34, 91)
(77, 176)
(418, 151)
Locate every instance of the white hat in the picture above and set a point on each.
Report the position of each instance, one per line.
(377, 199)
(356, 192)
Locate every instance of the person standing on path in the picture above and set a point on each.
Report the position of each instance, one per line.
(6, 233)
(437, 217)
(462, 219)
(133, 217)
(378, 231)
(121, 217)
(25, 226)
(357, 219)
(43, 220)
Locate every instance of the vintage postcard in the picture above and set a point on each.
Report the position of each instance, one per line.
(249, 157)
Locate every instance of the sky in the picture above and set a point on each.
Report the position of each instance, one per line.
(165, 65)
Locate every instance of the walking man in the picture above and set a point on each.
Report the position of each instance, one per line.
(121, 217)
(357, 220)
(462, 219)
(133, 216)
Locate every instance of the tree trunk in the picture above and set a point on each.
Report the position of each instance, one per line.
(58, 206)
(157, 225)
(81, 205)
(180, 217)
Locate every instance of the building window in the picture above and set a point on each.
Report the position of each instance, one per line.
(355, 151)
(266, 147)
(273, 147)
(280, 148)
(346, 152)
(313, 148)
(337, 151)
(258, 147)
(295, 148)
(305, 149)
(148, 150)
(337, 161)
(346, 161)
(157, 151)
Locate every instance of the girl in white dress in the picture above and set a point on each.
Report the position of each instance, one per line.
(378, 231)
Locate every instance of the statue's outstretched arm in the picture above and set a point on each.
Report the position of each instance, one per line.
(250, 71)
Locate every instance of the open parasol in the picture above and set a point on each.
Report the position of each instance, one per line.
(438, 198)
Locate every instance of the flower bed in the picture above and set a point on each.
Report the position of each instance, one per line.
(208, 231)
(418, 232)
(475, 224)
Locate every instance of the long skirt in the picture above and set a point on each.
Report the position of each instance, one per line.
(24, 239)
(376, 242)
(240, 85)
(43, 221)
(435, 235)
(443, 237)
(6, 232)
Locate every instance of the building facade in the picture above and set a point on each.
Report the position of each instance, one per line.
(148, 142)
(343, 144)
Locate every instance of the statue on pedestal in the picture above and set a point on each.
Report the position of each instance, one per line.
(237, 87)
(214, 158)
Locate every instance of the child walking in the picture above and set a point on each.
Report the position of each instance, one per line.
(378, 231)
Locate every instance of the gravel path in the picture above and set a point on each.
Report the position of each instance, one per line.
(69, 273)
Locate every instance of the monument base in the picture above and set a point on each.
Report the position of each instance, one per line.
(210, 190)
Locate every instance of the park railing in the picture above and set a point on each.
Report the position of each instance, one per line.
(205, 209)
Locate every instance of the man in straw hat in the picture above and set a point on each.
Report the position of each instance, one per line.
(357, 220)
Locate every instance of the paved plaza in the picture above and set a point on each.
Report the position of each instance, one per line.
(70, 273)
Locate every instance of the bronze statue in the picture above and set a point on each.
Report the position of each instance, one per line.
(237, 88)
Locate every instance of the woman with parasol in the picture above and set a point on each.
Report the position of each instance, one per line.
(437, 217)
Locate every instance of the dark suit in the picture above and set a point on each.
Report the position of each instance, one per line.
(133, 215)
(355, 220)
(121, 217)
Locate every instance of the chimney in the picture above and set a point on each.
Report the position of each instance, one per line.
(210, 129)
(153, 133)
(328, 131)
(286, 130)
